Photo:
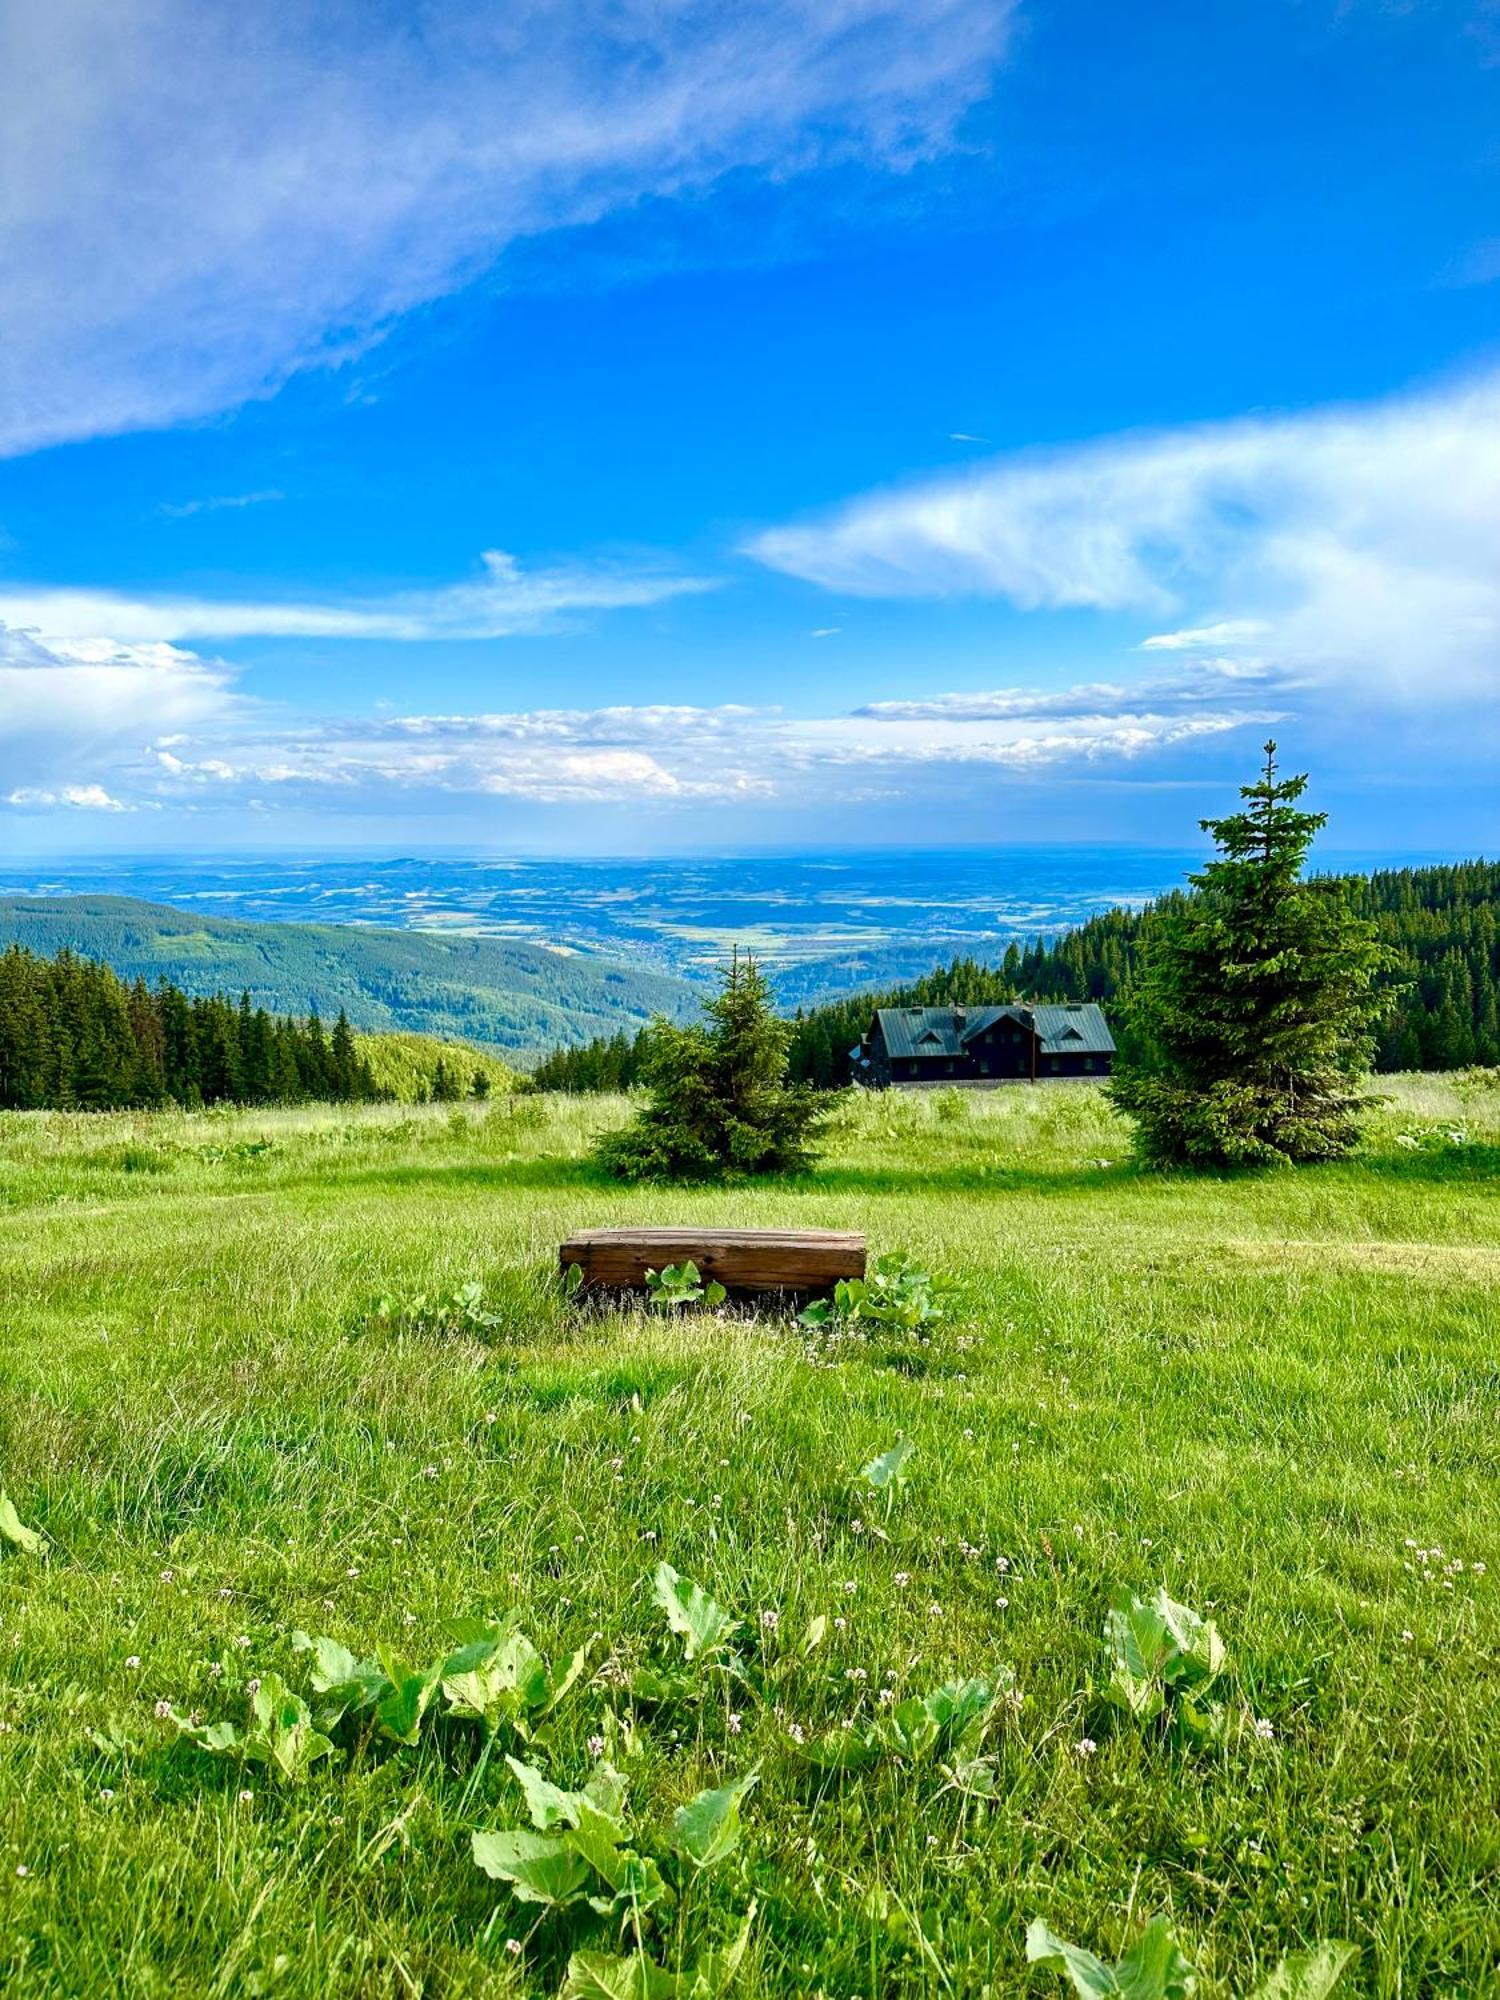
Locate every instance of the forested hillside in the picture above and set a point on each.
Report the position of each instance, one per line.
(1443, 921)
(521, 998)
(73, 1034)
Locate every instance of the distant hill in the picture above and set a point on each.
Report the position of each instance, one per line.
(521, 998)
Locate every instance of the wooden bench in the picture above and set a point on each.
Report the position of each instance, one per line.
(742, 1260)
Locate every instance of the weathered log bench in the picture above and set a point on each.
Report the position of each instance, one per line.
(742, 1260)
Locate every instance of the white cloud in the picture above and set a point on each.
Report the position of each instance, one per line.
(197, 200)
(86, 798)
(1193, 638)
(1350, 542)
(115, 725)
(502, 601)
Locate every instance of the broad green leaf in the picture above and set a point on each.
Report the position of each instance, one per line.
(1153, 1969)
(600, 1840)
(598, 1975)
(548, 1806)
(816, 1633)
(400, 1709)
(14, 1531)
(911, 1729)
(714, 1293)
(889, 1470)
(844, 1750)
(606, 1789)
(539, 1867)
(1090, 1976)
(707, 1828)
(717, 1970)
(1200, 1649)
(692, 1614)
(1308, 1975)
(571, 1675)
(639, 1887)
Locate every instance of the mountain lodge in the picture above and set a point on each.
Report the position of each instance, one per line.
(920, 1046)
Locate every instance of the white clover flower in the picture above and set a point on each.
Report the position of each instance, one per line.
(1085, 1747)
(133, 1660)
(1265, 1729)
(513, 1946)
(247, 1798)
(734, 1725)
(596, 1746)
(163, 1710)
(769, 1620)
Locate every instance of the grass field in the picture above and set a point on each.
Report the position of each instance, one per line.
(1276, 1396)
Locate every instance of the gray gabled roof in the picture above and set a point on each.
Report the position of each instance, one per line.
(1067, 1029)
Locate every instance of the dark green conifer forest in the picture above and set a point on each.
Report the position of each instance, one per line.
(74, 1036)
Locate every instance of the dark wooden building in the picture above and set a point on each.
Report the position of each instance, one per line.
(983, 1045)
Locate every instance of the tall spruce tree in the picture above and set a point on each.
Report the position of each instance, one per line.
(722, 1106)
(1255, 1005)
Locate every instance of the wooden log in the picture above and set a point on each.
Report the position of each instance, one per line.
(742, 1260)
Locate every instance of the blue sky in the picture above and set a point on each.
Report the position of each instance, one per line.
(647, 427)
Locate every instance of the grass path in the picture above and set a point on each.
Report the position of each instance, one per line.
(1278, 1396)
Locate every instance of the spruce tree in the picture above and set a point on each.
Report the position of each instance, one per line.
(1254, 1007)
(722, 1106)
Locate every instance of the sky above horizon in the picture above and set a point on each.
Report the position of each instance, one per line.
(660, 427)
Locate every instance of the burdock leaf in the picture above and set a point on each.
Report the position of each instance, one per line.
(889, 1470)
(702, 1625)
(707, 1828)
(15, 1531)
(1308, 1975)
(539, 1867)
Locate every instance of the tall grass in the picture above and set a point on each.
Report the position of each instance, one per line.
(1278, 1396)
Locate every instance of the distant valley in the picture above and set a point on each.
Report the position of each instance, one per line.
(518, 997)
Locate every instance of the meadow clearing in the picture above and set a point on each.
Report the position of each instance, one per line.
(1277, 1396)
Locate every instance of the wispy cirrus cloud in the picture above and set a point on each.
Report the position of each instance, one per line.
(252, 190)
(501, 601)
(218, 503)
(1354, 543)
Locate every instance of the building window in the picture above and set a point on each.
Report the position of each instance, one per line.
(984, 1069)
(1088, 1062)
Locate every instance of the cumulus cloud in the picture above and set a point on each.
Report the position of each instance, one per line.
(501, 601)
(195, 201)
(1352, 542)
(85, 798)
(116, 725)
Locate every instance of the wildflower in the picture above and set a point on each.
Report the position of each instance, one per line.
(491, 1417)
(1085, 1746)
(133, 1661)
(163, 1710)
(252, 1686)
(857, 1527)
(1001, 1603)
(769, 1620)
(513, 1946)
(934, 1611)
(167, 1575)
(887, 1695)
(215, 1669)
(596, 1746)
(797, 1733)
(352, 1570)
(22, 1869)
(1264, 1728)
(1408, 1637)
(226, 1591)
(841, 1624)
(850, 1588)
(106, 1794)
(903, 1578)
(242, 1642)
(735, 1724)
(247, 1798)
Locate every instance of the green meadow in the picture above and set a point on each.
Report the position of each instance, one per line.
(312, 1371)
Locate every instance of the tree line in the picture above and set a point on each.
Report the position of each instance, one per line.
(73, 1035)
(1443, 990)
